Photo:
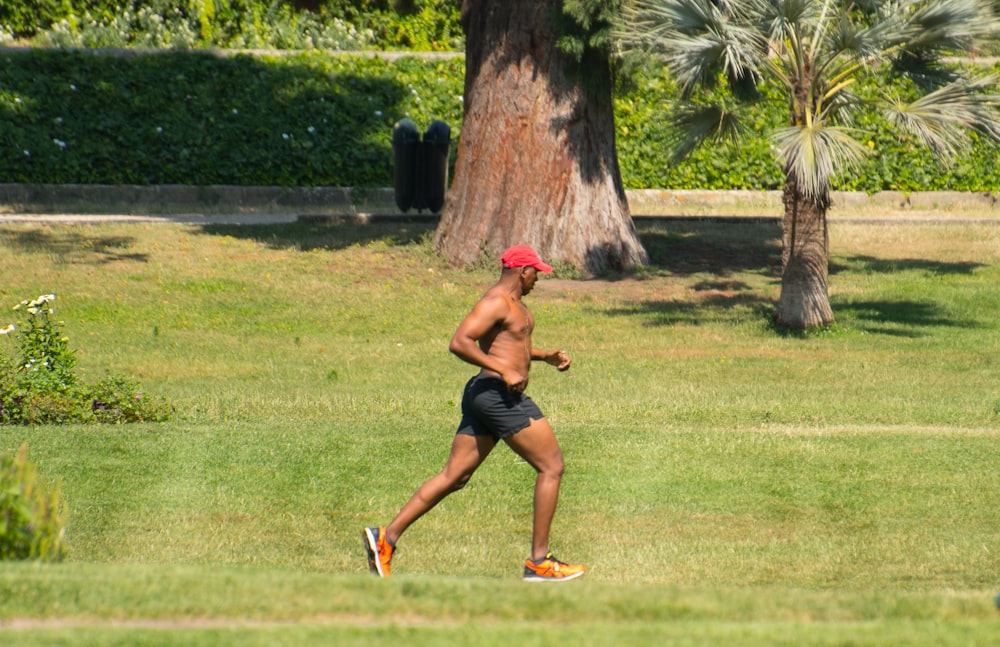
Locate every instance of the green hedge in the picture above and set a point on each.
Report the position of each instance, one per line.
(422, 25)
(316, 119)
(175, 118)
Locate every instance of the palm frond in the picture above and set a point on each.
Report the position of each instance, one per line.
(696, 39)
(942, 27)
(941, 120)
(841, 108)
(814, 155)
(693, 125)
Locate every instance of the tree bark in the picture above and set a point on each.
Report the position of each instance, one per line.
(536, 161)
(805, 299)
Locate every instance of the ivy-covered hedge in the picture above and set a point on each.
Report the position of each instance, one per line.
(319, 119)
(186, 118)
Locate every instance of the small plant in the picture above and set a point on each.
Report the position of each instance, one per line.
(40, 386)
(46, 360)
(31, 512)
(118, 400)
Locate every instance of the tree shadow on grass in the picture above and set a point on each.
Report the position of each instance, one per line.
(716, 308)
(68, 247)
(718, 253)
(872, 265)
(679, 246)
(713, 256)
(307, 235)
(903, 318)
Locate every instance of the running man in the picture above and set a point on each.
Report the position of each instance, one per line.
(496, 336)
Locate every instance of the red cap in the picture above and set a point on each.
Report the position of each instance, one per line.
(523, 256)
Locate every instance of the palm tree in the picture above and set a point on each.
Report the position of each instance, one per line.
(816, 51)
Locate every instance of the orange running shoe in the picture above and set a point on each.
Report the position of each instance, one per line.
(379, 550)
(551, 569)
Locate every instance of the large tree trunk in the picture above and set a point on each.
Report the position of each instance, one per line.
(805, 299)
(536, 161)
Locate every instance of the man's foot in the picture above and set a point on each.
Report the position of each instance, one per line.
(379, 550)
(551, 569)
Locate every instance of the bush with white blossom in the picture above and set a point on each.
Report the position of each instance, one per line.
(38, 384)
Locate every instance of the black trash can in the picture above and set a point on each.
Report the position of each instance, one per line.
(406, 163)
(437, 141)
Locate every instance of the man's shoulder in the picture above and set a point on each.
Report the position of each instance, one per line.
(495, 302)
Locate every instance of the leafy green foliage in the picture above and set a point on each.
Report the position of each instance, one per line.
(315, 119)
(433, 26)
(23, 17)
(809, 60)
(40, 386)
(429, 25)
(174, 118)
(31, 511)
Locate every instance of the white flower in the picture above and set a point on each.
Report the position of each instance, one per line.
(236, 111)
(6, 330)
(285, 136)
(378, 113)
(58, 142)
(27, 153)
(311, 129)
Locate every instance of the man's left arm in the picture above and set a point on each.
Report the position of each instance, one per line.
(557, 358)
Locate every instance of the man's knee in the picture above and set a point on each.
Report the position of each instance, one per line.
(457, 481)
(557, 467)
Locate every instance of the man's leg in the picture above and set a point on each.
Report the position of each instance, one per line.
(537, 444)
(467, 454)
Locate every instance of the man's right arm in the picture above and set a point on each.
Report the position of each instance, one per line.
(489, 311)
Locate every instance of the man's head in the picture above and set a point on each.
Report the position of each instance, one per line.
(523, 256)
(526, 263)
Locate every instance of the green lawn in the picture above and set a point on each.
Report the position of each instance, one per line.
(726, 483)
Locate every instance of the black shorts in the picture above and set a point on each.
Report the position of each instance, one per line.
(490, 409)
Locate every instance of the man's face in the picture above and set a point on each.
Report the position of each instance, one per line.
(529, 276)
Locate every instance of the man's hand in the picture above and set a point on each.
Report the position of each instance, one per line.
(559, 359)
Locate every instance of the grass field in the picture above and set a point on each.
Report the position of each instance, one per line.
(727, 483)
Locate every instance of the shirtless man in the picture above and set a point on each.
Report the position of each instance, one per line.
(496, 336)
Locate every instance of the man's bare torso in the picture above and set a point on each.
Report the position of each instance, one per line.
(510, 338)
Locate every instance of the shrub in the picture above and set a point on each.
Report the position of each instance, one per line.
(116, 399)
(32, 513)
(169, 24)
(319, 119)
(25, 17)
(40, 387)
(428, 25)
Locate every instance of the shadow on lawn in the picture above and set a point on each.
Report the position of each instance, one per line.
(701, 245)
(70, 247)
(715, 256)
(722, 251)
(897, 318)
(872, 265)
(308, 235)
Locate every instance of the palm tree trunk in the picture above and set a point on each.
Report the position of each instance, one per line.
(805, 300)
